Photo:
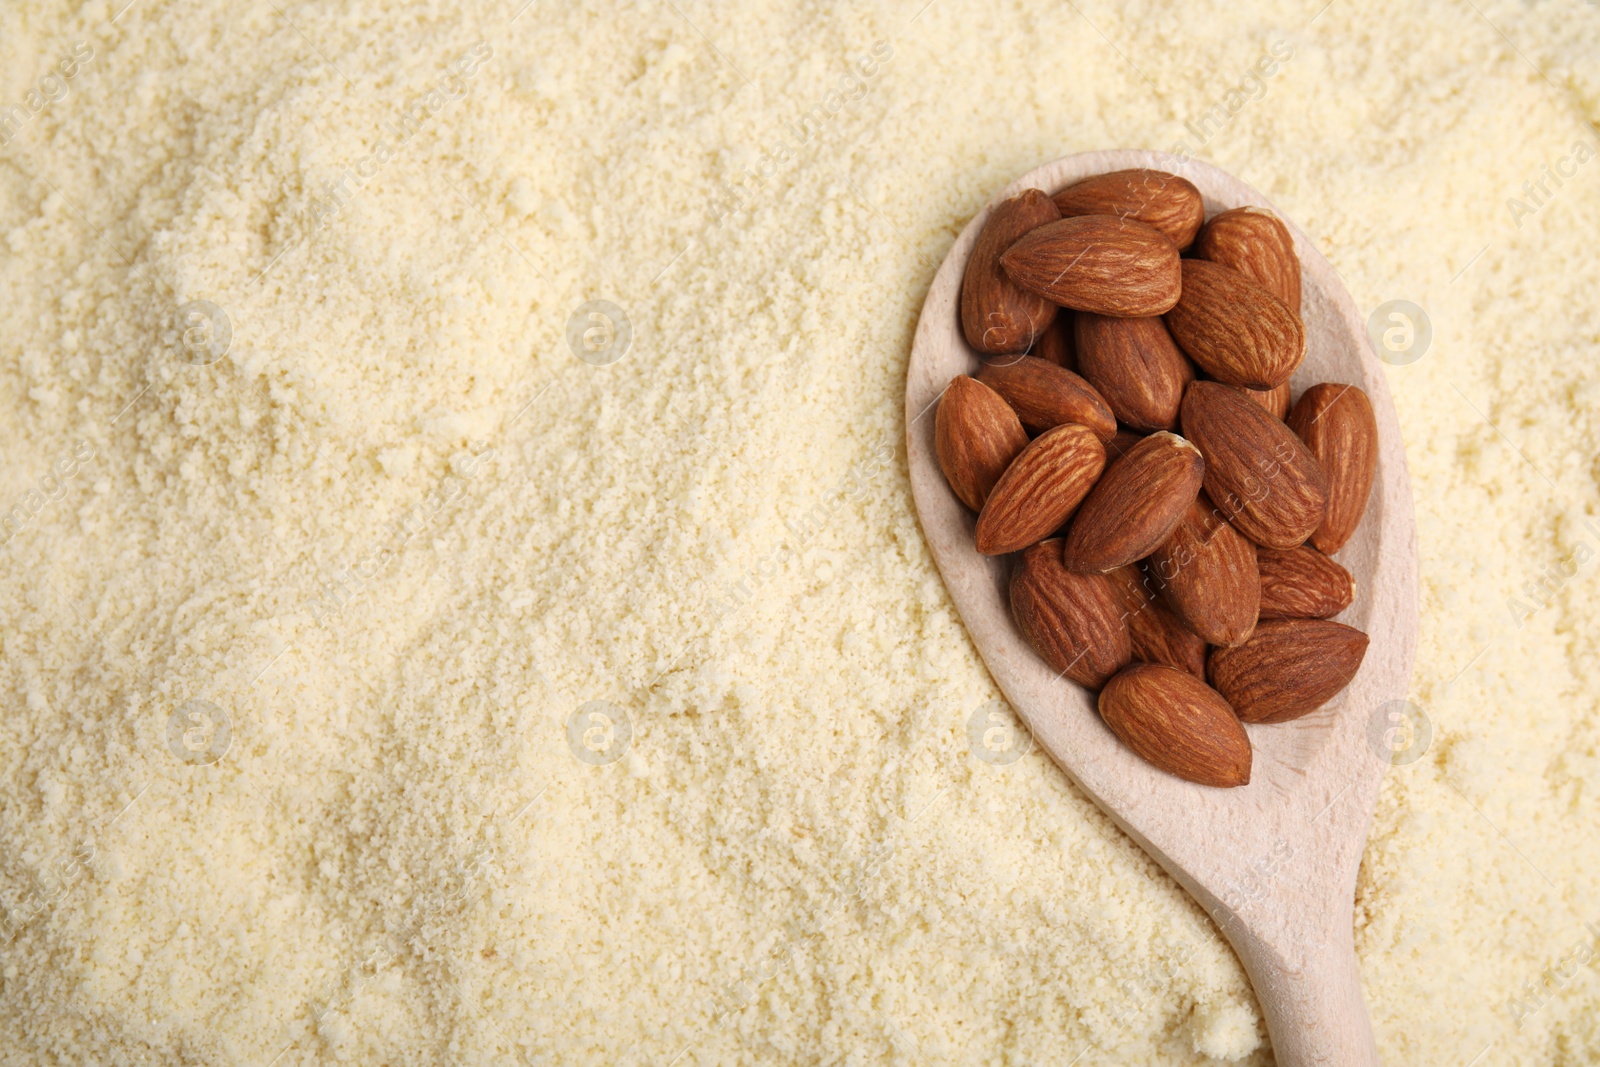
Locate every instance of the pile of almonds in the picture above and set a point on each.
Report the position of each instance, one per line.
(1188, 578)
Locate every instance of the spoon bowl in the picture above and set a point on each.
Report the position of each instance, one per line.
(1274, 862)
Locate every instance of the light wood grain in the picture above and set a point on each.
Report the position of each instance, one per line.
(1274, 863)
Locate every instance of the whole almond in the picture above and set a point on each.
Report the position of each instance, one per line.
(1136, 366)
(1207, 571)
(996, 315)
(1256, 243)
(976, 435)
(1164, 201)
(1175, 721)
(1045, 395)
(1040, 490)
(1074, 621)
(1135, 505)
(1056, 344)
(1157, 635)
(1233, 329)
(1275, 400)
(1337, 425)
(1302, 583)
(1288, 668)
(1258, 473)
(1098, 263)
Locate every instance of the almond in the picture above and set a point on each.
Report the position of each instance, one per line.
(1233, 329)
(1275, 400)
(1056, 344)
(1257, 244)
(1302, 583)
(1337, 425)
(1157, 635)
(1288, 668)
(1074, 621)
(1136, 366)
(1178, 723)
(1134, 507)
(976, 435)
(1164, 201)
(1098, 263)
(996, 315)
(1258, 473)
(1045, 395)
(1040, 490)
(1207, 571)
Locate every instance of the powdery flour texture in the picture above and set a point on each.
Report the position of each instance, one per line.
(410, 660)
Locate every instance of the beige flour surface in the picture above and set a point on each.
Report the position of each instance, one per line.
(399, 534)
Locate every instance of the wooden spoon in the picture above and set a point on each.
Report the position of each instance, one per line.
(1274, 862)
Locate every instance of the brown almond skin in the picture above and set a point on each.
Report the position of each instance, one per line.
(1257, 244)
(1057, 344)
(1074, 621)
(1288, 668)
(1135, 505)
(1275, 400)
(1045, 395)
(976, 435)
(1120, 444)
(1302, 583)
(1157, 635)
(1207, 572)
(1163, 201)
(1173, 720)
(1136, 366)
(1099, 263)
(1233, 329)
(1040, 490)
(1258, 473)
(1337, 425)
(996, 315)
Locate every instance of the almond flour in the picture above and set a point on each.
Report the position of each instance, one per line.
(399, 859)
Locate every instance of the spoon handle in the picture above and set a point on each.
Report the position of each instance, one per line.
(1311, 997)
